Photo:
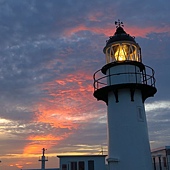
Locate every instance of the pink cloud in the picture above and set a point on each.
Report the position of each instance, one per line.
(67, 107)
(108, 31)
(69, 103)
(143, 32)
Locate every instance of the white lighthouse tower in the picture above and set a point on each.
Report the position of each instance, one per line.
(124, 86)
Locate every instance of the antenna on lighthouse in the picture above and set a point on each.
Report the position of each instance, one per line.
(43, 159)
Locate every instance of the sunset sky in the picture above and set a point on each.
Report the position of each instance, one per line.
(49, 50)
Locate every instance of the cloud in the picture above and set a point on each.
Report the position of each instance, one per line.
(157, 105)
(132, 30)
(49, 51)
(158, 122)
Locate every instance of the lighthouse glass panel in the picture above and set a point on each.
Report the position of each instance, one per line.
(123, 52)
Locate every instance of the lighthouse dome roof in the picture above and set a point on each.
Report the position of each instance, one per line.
(119, 35)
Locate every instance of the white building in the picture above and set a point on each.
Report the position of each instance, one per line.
(161, 158)
(82, 162)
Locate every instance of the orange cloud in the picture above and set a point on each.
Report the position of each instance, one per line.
(56, 117)
(18, 166)
(33, 148)
(41, 141)
(66, 104)
(44, 138)
(65, 108)
(108, 31)
(28, 163)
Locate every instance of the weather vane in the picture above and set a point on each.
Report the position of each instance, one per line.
(119, 23)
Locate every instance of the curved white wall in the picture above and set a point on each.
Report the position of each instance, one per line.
(128, 142)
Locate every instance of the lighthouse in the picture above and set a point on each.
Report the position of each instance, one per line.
(124, 83)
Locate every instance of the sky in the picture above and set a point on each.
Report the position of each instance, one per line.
(49, 51)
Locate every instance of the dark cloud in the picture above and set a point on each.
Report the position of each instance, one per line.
(49, 51)
(158, 125)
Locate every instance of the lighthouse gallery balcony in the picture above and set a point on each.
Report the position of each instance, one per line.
(134, 79)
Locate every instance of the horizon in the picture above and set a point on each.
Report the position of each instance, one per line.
(49, 53)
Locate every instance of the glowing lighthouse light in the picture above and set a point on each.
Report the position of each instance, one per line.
(121, 53)
(126, 84)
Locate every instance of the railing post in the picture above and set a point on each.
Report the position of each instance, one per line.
(109, 77)
(135, 74)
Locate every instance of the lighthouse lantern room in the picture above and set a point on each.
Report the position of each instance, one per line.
(124, 86)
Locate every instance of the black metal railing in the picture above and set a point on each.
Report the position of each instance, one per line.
(146, 77)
